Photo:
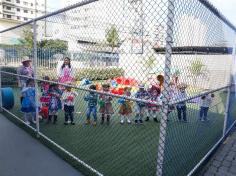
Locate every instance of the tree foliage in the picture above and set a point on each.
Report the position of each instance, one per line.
(27, 41)
(112, 37)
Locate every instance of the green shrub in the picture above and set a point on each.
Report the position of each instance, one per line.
(89, 73)
(7, 79)
(99, 73)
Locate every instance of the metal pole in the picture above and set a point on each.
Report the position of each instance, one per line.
(231, 88)
(226, 111)
(1, 90)
(35, 77)
(167, 74)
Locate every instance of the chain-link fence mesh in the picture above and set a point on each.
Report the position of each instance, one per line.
(150, 82)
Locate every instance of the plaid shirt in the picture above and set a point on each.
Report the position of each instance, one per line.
(92, 99)
(141, 95)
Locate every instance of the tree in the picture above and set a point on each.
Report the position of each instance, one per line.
(112, 37)
(198, 70)
(53, 44)
(149, 64)
(27, 39)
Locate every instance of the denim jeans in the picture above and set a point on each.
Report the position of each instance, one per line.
(182, 110)
(93, 110)
(203, 112)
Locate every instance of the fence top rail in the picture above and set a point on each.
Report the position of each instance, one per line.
(217, 13)
(85, 2)
(206, 3)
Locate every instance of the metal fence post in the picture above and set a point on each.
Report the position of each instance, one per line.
(36, 76)
(226, 111)
(232, 81)
(1, 110)
(167, 74)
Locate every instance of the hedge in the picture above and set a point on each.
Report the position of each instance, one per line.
(7, 79)
(89, 73)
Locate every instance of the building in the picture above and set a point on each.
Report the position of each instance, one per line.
(14, 12)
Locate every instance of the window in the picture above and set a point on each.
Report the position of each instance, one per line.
(18, 18)
(8, 8)
(25, 3)
(18, 10)
(8, 0)
(32, 12)
(18, 1)
(25, 11)
(32, 4)
(25, 18)
(8, 16)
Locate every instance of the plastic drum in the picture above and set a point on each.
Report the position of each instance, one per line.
(7, 98)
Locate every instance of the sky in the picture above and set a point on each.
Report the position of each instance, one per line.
(226, 7)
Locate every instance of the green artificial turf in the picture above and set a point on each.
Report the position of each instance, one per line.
(127, 150)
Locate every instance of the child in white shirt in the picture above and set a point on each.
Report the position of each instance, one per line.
(205, 103)
(68, 98)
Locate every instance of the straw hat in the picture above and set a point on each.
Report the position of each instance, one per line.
(25, 59)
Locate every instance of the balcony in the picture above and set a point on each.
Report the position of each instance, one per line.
(11, 2)
(9, 11)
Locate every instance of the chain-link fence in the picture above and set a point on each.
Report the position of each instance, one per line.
(136, 87)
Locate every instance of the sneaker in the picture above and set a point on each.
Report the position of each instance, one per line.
(136, 121)
(122, 121)
(141, 121)
(147, 119)
(155, 119)
(94, 123)
(207, 119)
(128, 121)
(202, 120)
(87, 122)
(27, 123)
(34, 121)
(72, 123)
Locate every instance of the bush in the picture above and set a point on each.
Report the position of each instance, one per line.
(7, 79)
(99, 73)
(89, 73)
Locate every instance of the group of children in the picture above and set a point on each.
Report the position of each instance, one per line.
(147, 102)
(52, 100)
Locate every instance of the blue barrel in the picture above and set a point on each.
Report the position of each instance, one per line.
(7, 98)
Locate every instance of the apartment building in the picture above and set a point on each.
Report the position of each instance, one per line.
(14, 12)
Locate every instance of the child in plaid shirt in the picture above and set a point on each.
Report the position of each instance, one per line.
(92, 99)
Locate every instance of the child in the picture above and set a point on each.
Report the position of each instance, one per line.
(205, 103)
(141, 94)
(126, 106)
(92, 99)
(105, 104)
(154, 95)
(44, 99)
(45, 85)
(54, 102)
(181, 107)
(28, 105)
(68, 97)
